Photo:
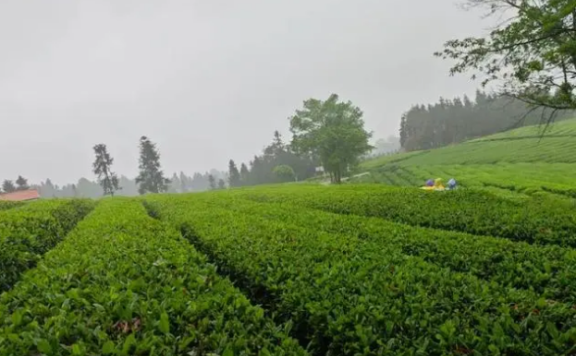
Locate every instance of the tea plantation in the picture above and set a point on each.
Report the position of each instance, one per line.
(520, 161)
(290, 270)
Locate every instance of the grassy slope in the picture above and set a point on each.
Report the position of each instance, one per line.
(519, 160)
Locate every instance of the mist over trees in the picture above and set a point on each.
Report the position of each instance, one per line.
(446, 122)
(260, 170)
(8, 186)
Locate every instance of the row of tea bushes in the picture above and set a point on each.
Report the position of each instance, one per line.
(27, 232)
(123, 283)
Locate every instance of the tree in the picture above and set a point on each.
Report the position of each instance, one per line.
(244, 174)
(8, 186)
(212, 182)
(221, 184)
(151, 178)
(284, 173)
(233, 175)
(22, 183)
(532, 54)
(333, 131)
(107, 179)
(455, 120)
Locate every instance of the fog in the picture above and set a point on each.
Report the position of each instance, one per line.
(206, 80)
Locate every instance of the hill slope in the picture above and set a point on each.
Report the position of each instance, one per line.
(520, 160)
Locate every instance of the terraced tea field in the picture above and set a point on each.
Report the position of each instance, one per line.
(290, 270)
(520, 160)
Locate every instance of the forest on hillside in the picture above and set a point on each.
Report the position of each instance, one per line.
(448, 121)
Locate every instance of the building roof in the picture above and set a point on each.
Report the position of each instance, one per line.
(22, 195)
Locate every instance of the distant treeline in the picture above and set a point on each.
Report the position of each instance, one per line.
(276, 164)
(451, 121)
(179, 183)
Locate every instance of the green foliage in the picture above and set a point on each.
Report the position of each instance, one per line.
(533, 54)
(277, 153)
(355, 294)
(333, 131)
(475, 212)
(26, 233)
(519, 161)
(452, 121)
(125, 284)
(4, 205)
(102, 168)
(151, 178)
(284, 173)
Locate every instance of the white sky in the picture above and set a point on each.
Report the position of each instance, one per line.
(206, 80)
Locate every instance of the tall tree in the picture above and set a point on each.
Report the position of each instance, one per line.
(332, 130)
(184, 182)
(151, 178)
(8, 186)
(244, 174)
(532, 55)
(212, 182)
(233, 174)
(221, 184)
(101, 167)
(22, 183)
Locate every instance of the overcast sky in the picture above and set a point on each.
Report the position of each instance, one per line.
(206, 80)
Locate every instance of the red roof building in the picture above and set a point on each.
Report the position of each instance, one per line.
(22, 195)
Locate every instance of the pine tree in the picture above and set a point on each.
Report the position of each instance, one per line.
(212, 182)
(234, 175)
(22, 183)
(244, 174)
(8, 186)
(184, 182)
(107, 179)
(151, 178)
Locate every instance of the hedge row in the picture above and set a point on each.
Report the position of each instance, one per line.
(475, 212)
(548, 270)
(4, 205)
(26, 233)
(351, 296)
(123, 283)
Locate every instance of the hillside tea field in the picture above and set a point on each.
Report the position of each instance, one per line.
(290, 270)
(520, 161)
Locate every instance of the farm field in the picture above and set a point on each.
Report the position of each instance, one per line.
(520, 160)
(290, 270)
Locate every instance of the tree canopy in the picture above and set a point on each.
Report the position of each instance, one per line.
(233, 175)
(532, 54)
(8, 186)
(284, 173)
(22, 183)
(451, 121)
(151, 178)
(333, 131)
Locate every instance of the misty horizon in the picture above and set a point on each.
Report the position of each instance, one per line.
(207, 82)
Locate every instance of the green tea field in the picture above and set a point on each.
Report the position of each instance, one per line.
(521, 160)
(290, 270)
